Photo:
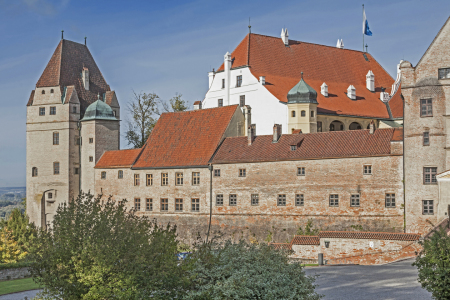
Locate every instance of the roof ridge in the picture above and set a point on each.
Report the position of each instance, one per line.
(381, 232)
(197, 110)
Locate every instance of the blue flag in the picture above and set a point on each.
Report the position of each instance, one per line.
(366, 29)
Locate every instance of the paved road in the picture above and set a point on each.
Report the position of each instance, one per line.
(20, 296)
(393, 281)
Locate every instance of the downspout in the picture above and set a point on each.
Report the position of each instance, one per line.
(210, 200)
(79, 157)
(404, 182)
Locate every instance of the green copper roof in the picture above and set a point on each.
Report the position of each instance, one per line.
(302, 93)
(99, 110)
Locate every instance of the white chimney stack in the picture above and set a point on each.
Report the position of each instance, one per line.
(197, 105)
(370, 81)
(85, 75)
(262, 80)
(285, 36)
(340, 44)
(211, 77)
(351, 92)
(384, 96)
(227, 67)
(324, 89)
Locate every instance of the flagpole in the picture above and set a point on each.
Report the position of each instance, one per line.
(363, 27)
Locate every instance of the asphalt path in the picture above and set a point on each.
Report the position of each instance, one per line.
(20, 296)
(391, 281)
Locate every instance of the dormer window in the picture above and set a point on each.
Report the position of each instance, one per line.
(444, 73)
(293, 147)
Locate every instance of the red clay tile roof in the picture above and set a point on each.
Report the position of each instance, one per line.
(197, 102)
(279, 246)
(370, 235)
(305, 240)
(30, 100)
(118, 158)
(187, 138)
(398, 135)
(64, 69)
(338, 68)
(352, 143)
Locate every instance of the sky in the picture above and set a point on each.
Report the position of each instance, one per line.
(168, 47)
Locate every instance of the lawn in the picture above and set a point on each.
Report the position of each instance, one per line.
(17, 285)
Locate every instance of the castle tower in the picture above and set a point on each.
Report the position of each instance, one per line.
(70, 82)
(302, 108)
(100, 132)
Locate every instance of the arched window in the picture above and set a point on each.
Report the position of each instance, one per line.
(355, 126)
(336, 126)
(303, 113)
(293, 113)
(56, 168)
(52, 91)
(103, 175)
(34, 172)
(43, 92)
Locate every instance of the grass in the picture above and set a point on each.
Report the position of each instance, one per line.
(17, 285)
(310, 265)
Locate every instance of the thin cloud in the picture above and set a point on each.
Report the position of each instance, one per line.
(40, 7)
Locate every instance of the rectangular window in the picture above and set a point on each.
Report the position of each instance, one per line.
(91, 140)
(219, 200)
(136, 180)
(334, 200)
(368, 170)
(164, 204)
(242, 172)
(319, 126)
(195, 178)
(77, 140)
(299, 200)
(233, 199)
(293, 147)
(120, 174)
(301, 171)
(426, 107)
(242, 100)
(444, 73)
(195, 204)
(53, 110)
(76, 171)
(164, 179)
(255, 199)
(137, 204)
(217, 173)
(42, 111)
(281, 201)
(103, 175)
(149, 179)
(390, 200)
(354, 200)
(148, 204)
(56, 168)
(429, 175)
(312, 114)
(220, 103)
(74, 109)
(178, 204)
(178, 179)
(55, 138)
(426, 138)
(50, 196)
(239, 81)
(223, 83)
(91, 158)
(427, 207)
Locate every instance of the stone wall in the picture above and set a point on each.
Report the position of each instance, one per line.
(8, 274)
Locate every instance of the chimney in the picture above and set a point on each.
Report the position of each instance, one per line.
(251, 133)
(247, 110)
(85, 77)
(211, 77)
(276, 133)
(227, 69)
(262, 80)
(351, 92)
(383, 95)
(370, 81)
(197, 105)
(324, 89)
(285, 36)
(371, 127)
(340, 44)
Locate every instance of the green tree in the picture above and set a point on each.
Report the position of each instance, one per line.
(247, 271)
(433, 264)
(10, 251)
(19, 228)
(176, 104)
(103, 251)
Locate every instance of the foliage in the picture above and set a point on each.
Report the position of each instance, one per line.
(247, 271)
(22, 231)
(309, 230)
(269, 236)
(433, 264)
(175, 104)
(10, 251)
(103, 251)
(357, 227)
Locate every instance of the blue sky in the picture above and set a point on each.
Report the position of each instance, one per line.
(168, 47)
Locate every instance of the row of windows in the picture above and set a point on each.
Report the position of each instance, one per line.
(238, 81)
(241, 101)
(51, 91)
(302, 113)
(164, 204)
(53, 110)
(34, 170)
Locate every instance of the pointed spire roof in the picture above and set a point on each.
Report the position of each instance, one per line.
(302, 93)
(64, 69)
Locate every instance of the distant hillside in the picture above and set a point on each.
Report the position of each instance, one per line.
(11, 198)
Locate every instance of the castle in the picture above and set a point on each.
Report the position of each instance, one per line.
(313, 158)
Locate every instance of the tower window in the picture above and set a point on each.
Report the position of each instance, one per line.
(427, 207)
(429, 175)
(426, 107)
(52, 91)
(103, 175)
(239, 81)
(53, 110)
(76, 171)
(242, 100)
(390, 200)
(312, 114)
(56, 168)
(74, 109)
(42, 111)
(55, 138)
(91, 158)
(34, 172)
(293, 113)
(303, 113)
(50, 196)
(120, 174)
(223, 83)
(43, 92)
(426, 138)
(220, 103)
(91, 140)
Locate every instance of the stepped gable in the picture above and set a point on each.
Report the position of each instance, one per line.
(338, 68)
(118, 159)
(321, 145)
(64, 69)
(370, 235)
(183, 139)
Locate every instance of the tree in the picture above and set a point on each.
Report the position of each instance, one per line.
(176, 104)
(19, 228)
(433, 264)
(144, 111)
(103, 251)
(247, 271)
(10, 251)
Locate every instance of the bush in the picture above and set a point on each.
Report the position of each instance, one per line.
(433, 263)
(95, 251)
(247, 271)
